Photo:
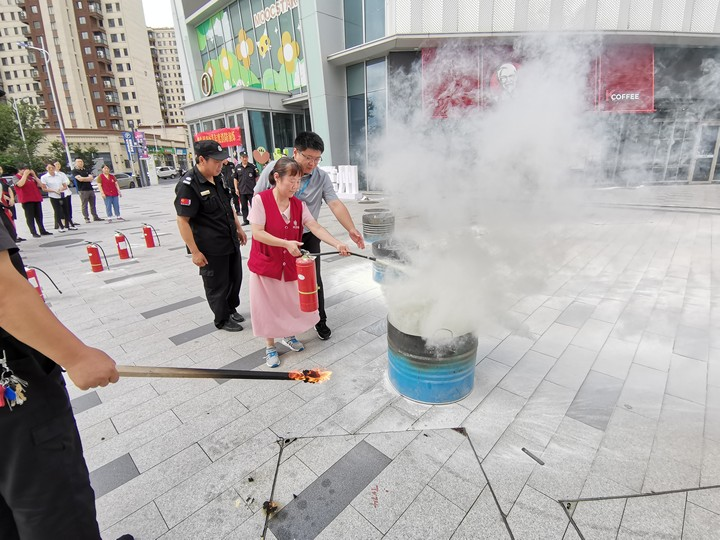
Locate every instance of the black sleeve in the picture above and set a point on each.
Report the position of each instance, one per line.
(187, 201)
(6, 241)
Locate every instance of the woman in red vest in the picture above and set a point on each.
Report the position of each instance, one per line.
(277, 219)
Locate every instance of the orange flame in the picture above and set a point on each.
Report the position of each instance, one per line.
(310, 375)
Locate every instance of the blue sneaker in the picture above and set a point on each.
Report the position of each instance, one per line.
(272, 359)
(293, 344)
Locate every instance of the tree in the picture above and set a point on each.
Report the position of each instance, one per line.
(13, 150)
(57, 153)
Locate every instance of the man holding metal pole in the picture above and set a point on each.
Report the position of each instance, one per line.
(45, 487)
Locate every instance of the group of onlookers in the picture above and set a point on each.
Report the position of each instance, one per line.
(27, 188)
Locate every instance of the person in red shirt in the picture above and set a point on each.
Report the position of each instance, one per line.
(110, 193)
(27, 187)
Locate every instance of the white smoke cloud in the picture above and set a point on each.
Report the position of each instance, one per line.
(486, 195)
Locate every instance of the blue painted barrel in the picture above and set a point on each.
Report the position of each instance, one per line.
(429, 374)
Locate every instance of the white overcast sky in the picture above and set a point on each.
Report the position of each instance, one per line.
(157, 13)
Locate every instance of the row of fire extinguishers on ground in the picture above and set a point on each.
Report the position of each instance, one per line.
(123, 247)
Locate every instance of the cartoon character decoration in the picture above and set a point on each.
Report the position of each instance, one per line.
(261, 155)
(263, 44)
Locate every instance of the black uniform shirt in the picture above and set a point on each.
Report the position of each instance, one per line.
(81, 186)
(46, 384)
(246, 177)
(210, 211)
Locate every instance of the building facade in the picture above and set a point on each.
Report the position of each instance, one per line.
(100, 69)
(273, 68)
(168, 75)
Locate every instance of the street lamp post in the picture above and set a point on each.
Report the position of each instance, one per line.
(143, 179)
(22, 131)
(46, 58)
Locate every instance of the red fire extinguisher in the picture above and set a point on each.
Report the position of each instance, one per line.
(123, 246)
(31, 273)
(307, 283)
(148, 231)
(33, 279)
(96, 264)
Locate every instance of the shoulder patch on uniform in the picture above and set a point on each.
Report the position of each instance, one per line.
(185, 202)
(187, 180)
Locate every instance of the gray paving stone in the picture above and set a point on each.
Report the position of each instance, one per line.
(687, 379)
(555, 340)
(193, 334)
(429, 516)
(460, 480)
(659, 516)
(172, 307)
(665, 473)
(389, 419)
(527, 374)
(379, 328)
(483, 516)
(540, 320)
(594, 402)
(364, 407)
(679, 432)
(391, 444)
(592, 335)
(643, 391)
(113, 475)
(488, 373)
(145, 523)
(692, 343)
(321, 453)
(537, 516)
(85, 402)
(542, 414)
(488, 422)
(609, 310)
(349, 525)
(572, 367)
(576, 314)
(600, 519)
(700, 524)
(654, 351)
(404, 479)
(511, 349)
(442, 417)
(318, 505)
(615, 358)
(130, 276)
(97, 434)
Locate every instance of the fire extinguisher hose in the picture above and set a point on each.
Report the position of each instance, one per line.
(337, 253)
(46, 275)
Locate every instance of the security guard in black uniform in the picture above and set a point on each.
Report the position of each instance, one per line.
(210, 228)
(45, 487)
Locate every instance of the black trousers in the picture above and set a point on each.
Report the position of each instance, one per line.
(236, 202)
(62, 212)
(33, 215)
(311, 243)
(222, 277)
(245, 203)
(45, 487)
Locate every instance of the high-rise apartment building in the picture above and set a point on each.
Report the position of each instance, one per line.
(100, 67)
(167, 74)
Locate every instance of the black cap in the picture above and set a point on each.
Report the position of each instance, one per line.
(243, 154)
(210, 149)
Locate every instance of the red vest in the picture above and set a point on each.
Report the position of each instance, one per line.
(272, 261)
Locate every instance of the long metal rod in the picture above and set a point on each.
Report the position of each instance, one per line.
(337, 252)
(269, 510)
(201, 373)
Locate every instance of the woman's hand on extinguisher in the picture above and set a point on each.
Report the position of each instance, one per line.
(343, 249)
(293, 246)
(199, 259)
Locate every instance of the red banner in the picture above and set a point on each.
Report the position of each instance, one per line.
(626, 79)
(224, 137)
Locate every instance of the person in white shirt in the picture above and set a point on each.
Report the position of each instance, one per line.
(56, 186)
(68, 192)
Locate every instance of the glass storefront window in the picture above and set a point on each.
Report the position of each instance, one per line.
(375, 73)
(299, 124)
(374, 19)
(260, 129)
(283, 130)
(353, 15)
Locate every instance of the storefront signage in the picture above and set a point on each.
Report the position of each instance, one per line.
(273, 11)
(225, 137)
(206, 84)
(622, 79)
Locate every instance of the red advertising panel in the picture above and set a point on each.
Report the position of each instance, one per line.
(225, 137)
(626, 79)
(451, 80)
(621, 79)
